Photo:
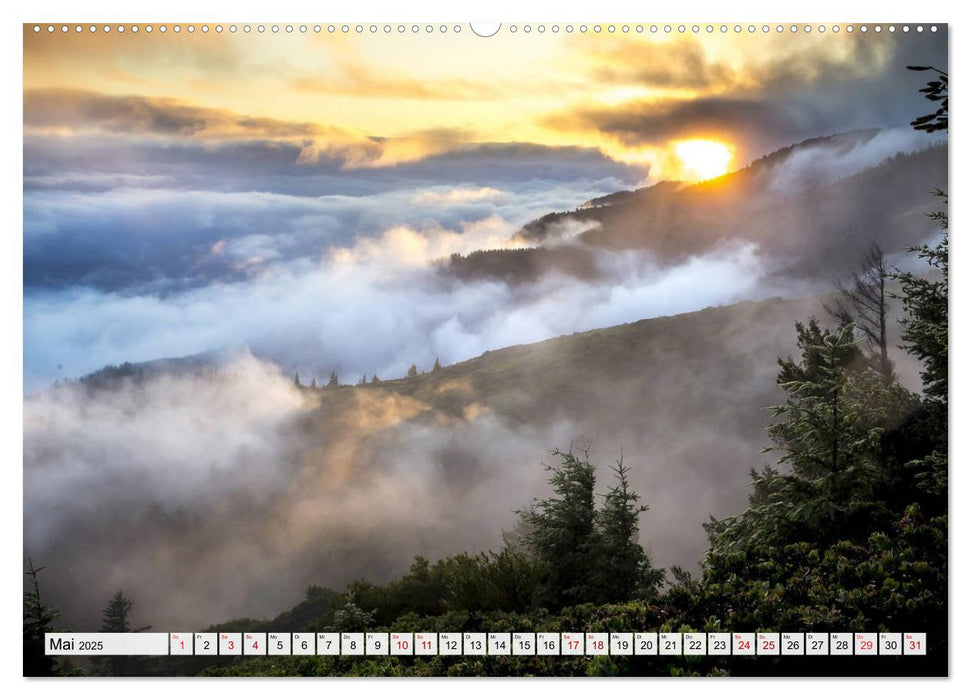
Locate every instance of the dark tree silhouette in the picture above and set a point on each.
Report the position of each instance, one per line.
(38, 620)
(114, 618)
(560, 530)
(864, 302)
(625, 570)
(115, 615)
(936, 91)
(333, 382)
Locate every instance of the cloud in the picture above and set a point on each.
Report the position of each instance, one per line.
(341, 310)
(220, 493)
(70, 111)
(131, 275)
(790, 89)
(640, 123)
(65, 108)
(451, 196)
(682, 64)
(353, 77)
(815, 165)
(83, 231)
(76, 163)
(390, 151)
(69, 431)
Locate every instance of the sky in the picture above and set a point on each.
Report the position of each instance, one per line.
(190, 192)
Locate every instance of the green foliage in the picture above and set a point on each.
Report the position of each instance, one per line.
(834, 431)
(625, 571)
(115, 614)
(351, 618)
(894, 579)
(115, 619)
(588, 555)
(925, 335)
(814, 435)
(833, 539)
(318, 602)
(504, 580)
(560, 530)
(38, 620)
(925, 301)
(463, 583)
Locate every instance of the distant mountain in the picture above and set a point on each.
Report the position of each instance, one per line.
(434, 464)
(808, 206)
(683, 396)
(110, 376)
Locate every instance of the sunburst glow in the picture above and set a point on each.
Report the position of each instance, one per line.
(703, 159)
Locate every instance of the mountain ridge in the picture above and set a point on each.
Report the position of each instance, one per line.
(797, 215)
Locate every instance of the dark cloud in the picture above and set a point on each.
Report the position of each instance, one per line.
(754, 123)
(683, 64)
(76, 163)
(798, 91)
(136, 114)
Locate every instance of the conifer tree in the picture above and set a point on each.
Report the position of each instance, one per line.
(561, 532)
(350, 617)
(38, 620)
(813, 434)
(114, 618)
(925, 326)
(935, 91)
(925, 336)
(115, 614)
(925, 303)
(333, 382)
(625, 569)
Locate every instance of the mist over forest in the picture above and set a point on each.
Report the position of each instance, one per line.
(214, 487)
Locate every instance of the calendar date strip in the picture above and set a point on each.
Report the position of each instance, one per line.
(486, 644)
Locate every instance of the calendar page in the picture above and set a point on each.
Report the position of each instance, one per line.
(514, 349)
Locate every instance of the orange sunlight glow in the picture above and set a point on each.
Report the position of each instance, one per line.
(703, 159)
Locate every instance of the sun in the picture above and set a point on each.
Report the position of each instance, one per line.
(703, 159)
